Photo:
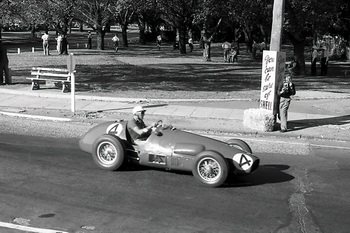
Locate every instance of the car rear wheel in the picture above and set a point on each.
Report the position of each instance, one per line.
(240, 144)
(210, 169)
(108, 152)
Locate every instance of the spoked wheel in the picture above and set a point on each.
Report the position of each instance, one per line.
(108, 152)
(210, 169)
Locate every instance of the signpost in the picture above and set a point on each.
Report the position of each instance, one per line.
(273, 69)
(71, 70)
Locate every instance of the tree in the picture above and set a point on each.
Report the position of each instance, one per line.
(4, 11)
(95, 13)
(148, 12)
(254, 18)
(122, 11)
(179, 14)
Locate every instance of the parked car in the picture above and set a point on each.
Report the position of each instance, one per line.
(209, 160)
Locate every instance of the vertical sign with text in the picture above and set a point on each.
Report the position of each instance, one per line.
(273, 65)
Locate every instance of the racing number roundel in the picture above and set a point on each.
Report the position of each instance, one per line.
(243, 160)
(115, 128)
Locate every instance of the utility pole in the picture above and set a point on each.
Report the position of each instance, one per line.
(273, 63)
(277, 25)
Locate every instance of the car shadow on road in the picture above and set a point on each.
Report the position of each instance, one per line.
(266, 174)
(296, 125)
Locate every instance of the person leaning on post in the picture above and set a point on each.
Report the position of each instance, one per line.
(285, 90)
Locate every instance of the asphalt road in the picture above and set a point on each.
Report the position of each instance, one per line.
(48, 183)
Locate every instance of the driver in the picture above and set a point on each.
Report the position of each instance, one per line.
(137, 127)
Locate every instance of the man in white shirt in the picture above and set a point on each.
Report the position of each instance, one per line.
(45, 39)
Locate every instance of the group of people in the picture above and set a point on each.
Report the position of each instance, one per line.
(230, 52)
(176, 43)
(62, 43)
(320, 54)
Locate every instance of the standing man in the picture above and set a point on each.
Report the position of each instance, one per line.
(324, 60)
(115, 39)
(59, 43)
(226, 46)
(159, 41)
(190, 44)
(285, 90)
(64, 45)
(45, 39)
(205, 42)
(89, 40)
(4, 65)
(313, 60)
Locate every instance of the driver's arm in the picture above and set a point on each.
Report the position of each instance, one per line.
(142, 131)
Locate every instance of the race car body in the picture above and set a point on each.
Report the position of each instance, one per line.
(209, 160)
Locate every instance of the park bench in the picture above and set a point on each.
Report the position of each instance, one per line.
(50, 75)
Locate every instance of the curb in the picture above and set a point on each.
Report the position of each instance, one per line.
(36, 117)
(113, 99)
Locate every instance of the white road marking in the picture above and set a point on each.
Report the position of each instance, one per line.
(29, 229)
(48, 118)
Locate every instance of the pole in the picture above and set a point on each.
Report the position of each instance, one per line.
(71, 69)
(275, 45)
(72, 80)
(277, 25)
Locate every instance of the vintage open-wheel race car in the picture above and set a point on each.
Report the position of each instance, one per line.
(209, 160)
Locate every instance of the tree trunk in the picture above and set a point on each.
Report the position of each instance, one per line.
(125, 36)
(182, 39)
(142, 27)
(100, 35)
(299, 48)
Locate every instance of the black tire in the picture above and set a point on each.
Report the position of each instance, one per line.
(108, 152)
(240, 144)
(210, 169)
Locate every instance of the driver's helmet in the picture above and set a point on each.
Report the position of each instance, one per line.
(138, 109)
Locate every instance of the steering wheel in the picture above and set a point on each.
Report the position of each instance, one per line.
(159, 123)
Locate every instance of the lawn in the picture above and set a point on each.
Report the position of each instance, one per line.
(144, 71)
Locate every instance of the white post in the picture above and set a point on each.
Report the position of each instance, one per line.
(72, 80)
(71, 68)
(18, 50)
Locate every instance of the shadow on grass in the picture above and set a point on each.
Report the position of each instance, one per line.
(105, 71)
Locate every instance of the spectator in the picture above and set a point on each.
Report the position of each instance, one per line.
(190, 44)
(45, 39)
(314, 60)
(159, 41)
(285, 90)
(205, 43)
(59, 43)
(324, 60)
(89, 44)
(293, 68)
(226, 46)
(115, 39)
(64, 45)
(4, 65)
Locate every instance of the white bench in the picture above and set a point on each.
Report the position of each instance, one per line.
(52, 75)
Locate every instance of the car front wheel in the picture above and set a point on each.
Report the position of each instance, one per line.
(108, 152)
(210, 169)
